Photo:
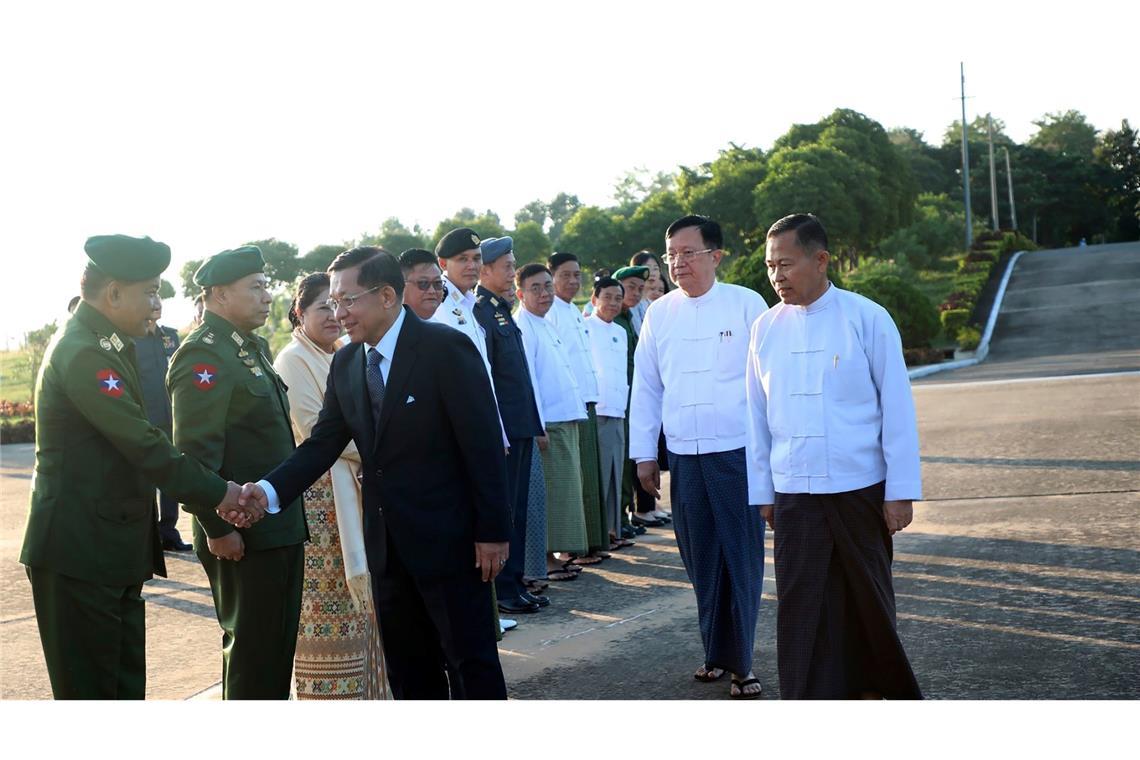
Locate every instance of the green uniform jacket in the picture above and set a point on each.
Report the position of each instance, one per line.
(231, 413)
(624, 319)
(98, 461)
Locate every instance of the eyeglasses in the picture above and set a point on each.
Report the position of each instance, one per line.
(426, 285)
(677, 257)
(537, 290)
(349, 301)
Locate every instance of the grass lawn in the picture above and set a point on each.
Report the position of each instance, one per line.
(15, 376)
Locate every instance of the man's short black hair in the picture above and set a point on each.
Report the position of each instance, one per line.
(710, 230)
(413, 257)
(560, 258)
(810, 234)
(530, 270)
(607, 282)
(377, 267)
(93, 281)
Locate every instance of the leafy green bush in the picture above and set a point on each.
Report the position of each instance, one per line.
(1015, 241)
(904, 246)
(953, 320)
(911, 310)
(749, 271)
(969, 338)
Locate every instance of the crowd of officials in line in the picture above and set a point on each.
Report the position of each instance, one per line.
(469, 435)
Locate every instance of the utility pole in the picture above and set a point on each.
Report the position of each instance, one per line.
(993, 176)
(966, 163)
(1009, 181)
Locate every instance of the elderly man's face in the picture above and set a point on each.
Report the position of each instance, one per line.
(568, 280)
(463, 268)
(131, 305)
(246, 301)
(798, 277)
(423, 289)
(692, 263)
(607, 303)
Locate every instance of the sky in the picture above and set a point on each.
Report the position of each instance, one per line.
(209, 124)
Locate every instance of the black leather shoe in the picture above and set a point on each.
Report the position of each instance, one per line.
(169, 545)
(539, 599)
(518, 605)
(628, 531)
(641, 521)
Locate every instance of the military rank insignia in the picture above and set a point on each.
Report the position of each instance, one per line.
(167, 342)
(205, 376)
(110, 383)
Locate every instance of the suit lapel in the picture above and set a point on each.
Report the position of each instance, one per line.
(402, 363)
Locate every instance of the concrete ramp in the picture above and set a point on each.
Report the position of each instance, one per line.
(1066, 311)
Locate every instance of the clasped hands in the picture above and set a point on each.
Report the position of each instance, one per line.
(243, 505)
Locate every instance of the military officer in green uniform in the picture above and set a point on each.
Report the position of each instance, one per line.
(232, 414)
(92, 538)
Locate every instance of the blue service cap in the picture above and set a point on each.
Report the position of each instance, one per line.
(492, 248)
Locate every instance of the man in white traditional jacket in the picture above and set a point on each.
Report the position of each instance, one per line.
(689, 375)
(460, 260)
(609, 350)
(562, 410)
(833, 459)
(571, 327)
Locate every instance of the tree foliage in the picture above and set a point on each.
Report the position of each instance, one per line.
(281, 263)
(395, 237)
(594, 235)
(1067, 134)
(530, 243)
(190, 289)
(486, 225)
(319, 258)
(645, 228)
(165, 289)
(912, 312)
(722, 189)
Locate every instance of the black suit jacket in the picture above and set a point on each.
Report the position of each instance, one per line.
(434, 472)
(509, 370)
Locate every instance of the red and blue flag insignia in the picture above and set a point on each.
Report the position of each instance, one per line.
(110, 382)
(204, 376)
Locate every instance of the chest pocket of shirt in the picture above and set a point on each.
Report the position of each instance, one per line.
(731, 356)
(848, 376)
(257, 387)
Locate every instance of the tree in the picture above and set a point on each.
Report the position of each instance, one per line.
(560, 209)
(535, 211)
(530, 243)
(645, 228)
(842, 191)
(594, 235)
(486, 225)
(281, 263)
(190, 289)
(165, 289)
(722, 189)
(636, 185)
(978, 132)
(930, 175)
(1067, 134)
(319, 258)
(1119, 153)
(396, 238)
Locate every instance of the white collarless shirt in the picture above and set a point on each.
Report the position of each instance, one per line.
(558, 391)
(571, 328)
(829, 401)
(688, 372)
(609, 350)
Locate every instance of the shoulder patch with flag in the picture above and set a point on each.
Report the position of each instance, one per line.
(110, 382)
(204, 376)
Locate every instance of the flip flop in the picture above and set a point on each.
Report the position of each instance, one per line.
(587, 560)
(561, 575)
(569, 567)
(739, 685)
(707, 674)
(621, 544)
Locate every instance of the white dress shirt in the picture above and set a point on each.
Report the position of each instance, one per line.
(561, 401)
(829, 401)
(609, 349)
(387, 349)
(688, 372)
(569, 323)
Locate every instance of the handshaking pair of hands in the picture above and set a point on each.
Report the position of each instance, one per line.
(241, 507)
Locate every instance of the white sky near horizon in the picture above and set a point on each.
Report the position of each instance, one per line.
(206, 125)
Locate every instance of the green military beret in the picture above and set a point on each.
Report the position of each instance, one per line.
(626, 272)
(129, 259)
(227, 266)
(456, 242)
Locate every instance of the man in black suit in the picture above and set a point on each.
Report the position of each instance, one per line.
(416, 399)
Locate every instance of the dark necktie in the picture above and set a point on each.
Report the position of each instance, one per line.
(375, 384)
